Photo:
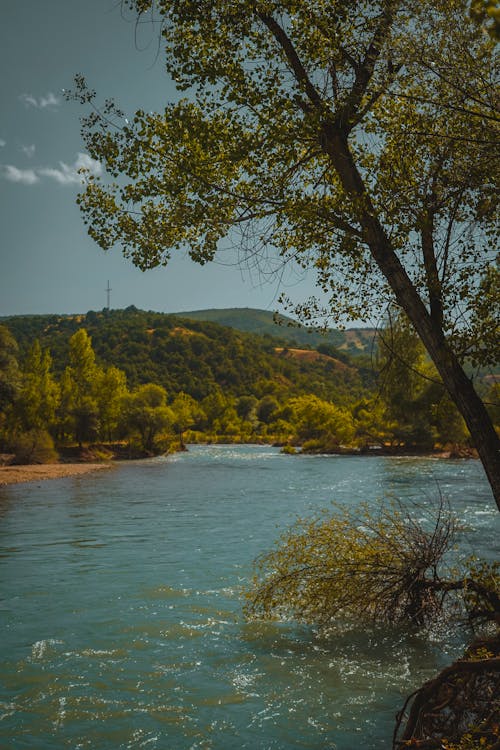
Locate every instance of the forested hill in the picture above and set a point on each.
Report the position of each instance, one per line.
(354, 341)
(195, 356)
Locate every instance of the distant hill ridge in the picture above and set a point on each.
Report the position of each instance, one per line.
(183, 353)
(354, 341)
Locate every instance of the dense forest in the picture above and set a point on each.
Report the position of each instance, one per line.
(194, 356)
(152, 382)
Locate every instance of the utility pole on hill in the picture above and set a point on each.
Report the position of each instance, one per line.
(108, 295)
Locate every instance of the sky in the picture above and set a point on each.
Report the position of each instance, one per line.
(48, 264)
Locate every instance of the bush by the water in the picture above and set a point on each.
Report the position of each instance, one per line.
(34, 447)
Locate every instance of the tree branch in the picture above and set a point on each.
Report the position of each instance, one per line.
(364, 72)
(298, 69)
(430, 265)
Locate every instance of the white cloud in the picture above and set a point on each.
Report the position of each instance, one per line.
(64, 174)
(2, 142)
(49, 100)
(25, 176)
(68, 174)
(29, 151)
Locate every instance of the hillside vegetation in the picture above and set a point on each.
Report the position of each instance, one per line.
(353, 341)
(193, 356)
(154, 381)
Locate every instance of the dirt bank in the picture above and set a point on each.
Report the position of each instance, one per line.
(35, 473)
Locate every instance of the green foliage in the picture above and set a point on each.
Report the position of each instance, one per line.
(419, 413)
(246, 406)
(146, 412)
(189, 356)
(110, 394)
(317, 419)
(85, 417)
(360, 564)
(284, 97)
(39, 394)
(487, 13)
(34, 447)
(484, 327)
(356, 140)
(80, 385)
(82, 363)
(310, 399)
(493, 403)
(372, 423)
(186, 412)
(285, 330)
(10, 376)
(266, 409)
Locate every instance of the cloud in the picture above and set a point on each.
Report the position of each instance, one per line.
(49, 100)
(2, 142)
(24, 176)
(68, 174)
(29, 151)
(64, 174)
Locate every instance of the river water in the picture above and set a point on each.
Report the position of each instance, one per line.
(120, 609)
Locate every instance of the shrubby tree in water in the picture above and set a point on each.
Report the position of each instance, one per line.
(358, 139)
(380, 566)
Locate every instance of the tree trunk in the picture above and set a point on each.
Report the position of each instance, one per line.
(456, 382)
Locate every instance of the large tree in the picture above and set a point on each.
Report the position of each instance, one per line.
(39, 395)
(357, 138)
(79, 409)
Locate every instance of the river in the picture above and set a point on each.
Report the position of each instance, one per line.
(121, 614)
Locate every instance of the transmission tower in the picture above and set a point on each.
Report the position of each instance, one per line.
(108, 295)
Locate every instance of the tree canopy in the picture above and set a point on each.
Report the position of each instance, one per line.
(358, 139)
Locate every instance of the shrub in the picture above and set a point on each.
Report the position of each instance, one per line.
(34, 447)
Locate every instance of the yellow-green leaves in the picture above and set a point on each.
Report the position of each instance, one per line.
(358, 564)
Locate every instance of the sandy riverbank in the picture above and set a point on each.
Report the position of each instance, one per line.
(38, 472)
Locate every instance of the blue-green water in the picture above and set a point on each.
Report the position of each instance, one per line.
(120, 609)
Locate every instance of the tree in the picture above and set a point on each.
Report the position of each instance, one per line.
(417, 407)
(79, 410)
(360, 565)
(83, 368)
(315, 419)
(111, 391)
(359, 140)
(487, 12)
(39, 394)
(371, 422)
(146, 411)
(10, 375)
(266, 409)
(246, 407)
(405, 377)
(185, 413)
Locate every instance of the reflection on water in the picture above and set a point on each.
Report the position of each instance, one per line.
(121, 606)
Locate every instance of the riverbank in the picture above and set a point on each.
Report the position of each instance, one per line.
(40, 472)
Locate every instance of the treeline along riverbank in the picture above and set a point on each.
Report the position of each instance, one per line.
(150, 382)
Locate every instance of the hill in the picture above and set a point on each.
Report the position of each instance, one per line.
(354, 341)
(194, 356)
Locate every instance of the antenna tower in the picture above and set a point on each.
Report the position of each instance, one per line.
(108, 295)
